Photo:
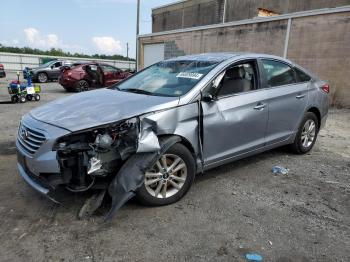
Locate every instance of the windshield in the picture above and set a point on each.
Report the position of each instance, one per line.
(167, 78)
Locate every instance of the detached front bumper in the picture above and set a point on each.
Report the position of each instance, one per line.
(37, 183)
(36, 162)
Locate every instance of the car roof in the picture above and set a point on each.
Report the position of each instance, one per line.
(223, 56)
(212, 57)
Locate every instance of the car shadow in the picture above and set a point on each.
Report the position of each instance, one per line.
(239, 164)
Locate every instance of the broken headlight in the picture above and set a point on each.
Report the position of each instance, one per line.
(97, 151)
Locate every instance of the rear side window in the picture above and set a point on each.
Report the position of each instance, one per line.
(278, 73)
(302, 76)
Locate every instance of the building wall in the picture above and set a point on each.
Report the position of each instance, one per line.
(193, 13)
(320, 43)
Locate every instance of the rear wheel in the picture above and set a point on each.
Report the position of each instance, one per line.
(82, 86)
(14, 99)
(169, 179)
(42, 77)
(307, 134)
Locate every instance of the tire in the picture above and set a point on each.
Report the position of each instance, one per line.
(29, 97)
(22, 99)
(306, 136)
(42, 77)
(37, 97)
(82, 85)
(146, 194)
(14, 99)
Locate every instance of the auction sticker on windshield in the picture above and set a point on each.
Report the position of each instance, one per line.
(190, 75)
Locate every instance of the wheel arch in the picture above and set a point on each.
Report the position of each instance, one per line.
(183, 141)
(317, 112)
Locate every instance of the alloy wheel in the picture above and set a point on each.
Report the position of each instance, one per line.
(308, 134)
(42, 77)
(166, 177)
(83, 86)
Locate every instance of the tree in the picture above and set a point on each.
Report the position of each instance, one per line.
(58, 52)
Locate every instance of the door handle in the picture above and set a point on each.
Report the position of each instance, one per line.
(260, 106)
(300, 96)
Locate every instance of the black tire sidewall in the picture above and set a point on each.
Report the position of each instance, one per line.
(37, 97)
(180, 150)
(299, 148)
(15, 99)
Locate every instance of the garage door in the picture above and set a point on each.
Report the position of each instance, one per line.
(153, 53)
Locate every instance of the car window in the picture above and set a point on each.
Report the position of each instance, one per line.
(278, 73)
(301, 75)
(57, 64)
(238, 79)
(108, 69)
(91, 67)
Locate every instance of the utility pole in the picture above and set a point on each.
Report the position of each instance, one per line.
(137, 33)
(127, 54)
(127, 51)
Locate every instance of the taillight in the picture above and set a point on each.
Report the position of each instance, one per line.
(325, 88)
(1, 66)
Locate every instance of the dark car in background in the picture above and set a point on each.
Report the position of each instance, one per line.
(91, 75)
(2, 71)
(48, 71)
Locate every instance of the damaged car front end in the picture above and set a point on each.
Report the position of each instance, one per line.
(94, 150)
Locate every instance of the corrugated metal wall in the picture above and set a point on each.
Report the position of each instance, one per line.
(193, 13)
(20, 61)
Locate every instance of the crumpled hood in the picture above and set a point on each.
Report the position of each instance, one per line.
(94, 108)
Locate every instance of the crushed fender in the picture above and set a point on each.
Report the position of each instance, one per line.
(132, 174)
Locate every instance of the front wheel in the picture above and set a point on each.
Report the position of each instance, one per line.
(169, 179)
(307, 134)
(37, 97)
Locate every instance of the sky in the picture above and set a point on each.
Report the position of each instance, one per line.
(83, 26)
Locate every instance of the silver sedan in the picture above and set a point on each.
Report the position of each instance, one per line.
(149, 135)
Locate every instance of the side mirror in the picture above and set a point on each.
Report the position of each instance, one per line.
(208, 98)
(51, 67)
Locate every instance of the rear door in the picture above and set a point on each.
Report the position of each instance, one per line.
(286, 97)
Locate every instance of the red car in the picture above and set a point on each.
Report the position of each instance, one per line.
(2, 71)
(84, 76)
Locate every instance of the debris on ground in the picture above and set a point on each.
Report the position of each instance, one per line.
(279, 170)
(253, 257)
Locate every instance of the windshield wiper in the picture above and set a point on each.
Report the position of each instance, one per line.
(137, 91)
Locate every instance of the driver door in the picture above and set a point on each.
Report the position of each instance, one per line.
(55, 69)
(111, 74)
(235, 120)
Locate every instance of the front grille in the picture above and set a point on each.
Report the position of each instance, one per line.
(30, 140)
